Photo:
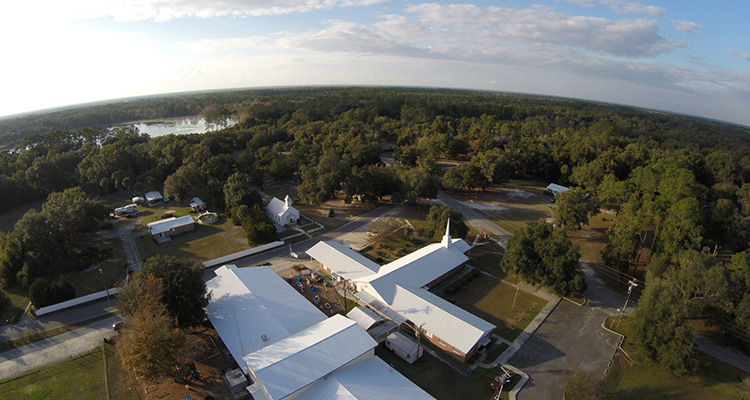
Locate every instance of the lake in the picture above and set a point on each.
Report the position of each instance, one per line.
(177, 126)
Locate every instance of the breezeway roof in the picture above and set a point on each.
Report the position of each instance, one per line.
(342, 260)
(365, 317)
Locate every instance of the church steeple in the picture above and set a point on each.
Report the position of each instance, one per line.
(288, 201)
(447, 237)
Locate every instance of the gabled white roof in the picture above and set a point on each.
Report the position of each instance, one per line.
(291, 364)
(556, 188)
(263, 303)
(154, 195)
(279, 207)
(343, 261)
(365, 317)
(450, 323)
(418, 268)
(370, 379)
(196, 201)
(165, 225)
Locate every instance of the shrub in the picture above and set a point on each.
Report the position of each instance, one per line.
(107, 225)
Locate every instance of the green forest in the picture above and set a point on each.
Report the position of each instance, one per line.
(682, 182)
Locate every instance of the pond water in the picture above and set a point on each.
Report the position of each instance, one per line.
(177, 126)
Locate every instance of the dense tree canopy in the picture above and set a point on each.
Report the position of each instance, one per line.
(184, 290)
(541, 255)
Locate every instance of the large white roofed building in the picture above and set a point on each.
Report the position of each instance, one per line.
(289, 349)
(399, 290)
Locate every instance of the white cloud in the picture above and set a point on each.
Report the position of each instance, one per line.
(742, 55)
(621, 6)
(164, 10)
(686, 26)
(621, 37)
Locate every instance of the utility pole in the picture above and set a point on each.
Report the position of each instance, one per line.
(514, 300)
(630, 290)
(106, 291)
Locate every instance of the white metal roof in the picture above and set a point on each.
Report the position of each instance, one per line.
(279, 207)
(301, 359)
(154, 195)
(196, 201)
(370, 379)
(342, 260)
(418, 268)
(263, 303)
(365, 317)
(450, 323)
(400, 340)
(165, 225)
(556, 188)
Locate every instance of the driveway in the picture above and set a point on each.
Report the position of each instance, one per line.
(571, 338)
(479, 221)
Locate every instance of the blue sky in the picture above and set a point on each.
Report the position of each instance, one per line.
(687, 57)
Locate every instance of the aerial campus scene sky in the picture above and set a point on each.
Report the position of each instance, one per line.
(690, 57)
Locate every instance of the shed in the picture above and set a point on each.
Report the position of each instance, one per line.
(154, 197)
(404, 347)
(196, 204)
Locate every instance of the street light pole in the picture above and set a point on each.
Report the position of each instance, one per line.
(514, 300)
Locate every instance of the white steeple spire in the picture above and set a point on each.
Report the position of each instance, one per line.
(288, 201)
(447, 238)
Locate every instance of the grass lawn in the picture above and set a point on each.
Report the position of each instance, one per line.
(77, 378)
(113, 271)
(442, 381)
(592, 239)
(487, 258)
(491, 300)
(715, 380)
(204, 243)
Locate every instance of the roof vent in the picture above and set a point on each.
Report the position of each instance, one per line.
(263, 338)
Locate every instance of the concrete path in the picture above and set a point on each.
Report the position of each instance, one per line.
(55, 349)
(131, 250)
(479, 221)
(725, 354)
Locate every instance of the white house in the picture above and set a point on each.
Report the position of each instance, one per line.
(288, 348)
(282, 212)
(400, 290)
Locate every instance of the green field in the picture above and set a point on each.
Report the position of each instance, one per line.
(715, 380)
(443, 382)
(81, 377)
(491, 300)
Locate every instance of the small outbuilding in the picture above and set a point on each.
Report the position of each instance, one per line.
(196, 204)
(154, 197)
(282, 212)
(138, 200)
(555, 189)
(159, 230)
(403, 347)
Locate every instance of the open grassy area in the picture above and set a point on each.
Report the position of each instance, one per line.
(491, 300)
(715, 380)
(204, 243)
(113, 271)
(592, 239)
(510, 206)
(81, 377)
(442, 381)
(487, 258)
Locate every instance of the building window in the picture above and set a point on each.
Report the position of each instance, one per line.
(457, 352)
(442, 343)
(428, 334)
